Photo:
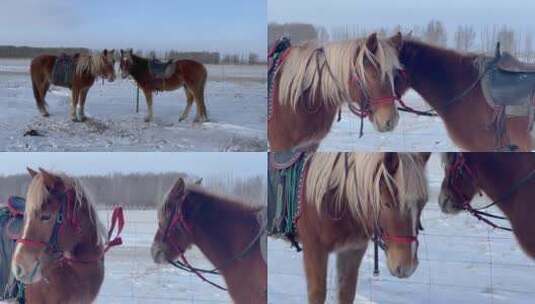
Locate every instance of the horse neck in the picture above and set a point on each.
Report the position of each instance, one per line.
(139, 68)
(436, 74)
(221, 229)
(88, 244)
(498, 172)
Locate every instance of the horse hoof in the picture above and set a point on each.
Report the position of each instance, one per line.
(147, 119)
(45, 114)
(83, 119)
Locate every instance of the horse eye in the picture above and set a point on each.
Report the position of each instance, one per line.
(45, 217)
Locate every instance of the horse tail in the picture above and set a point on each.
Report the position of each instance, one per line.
(38, 82)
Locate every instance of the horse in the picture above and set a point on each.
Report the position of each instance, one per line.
(189, 74)
(314, 81)
(350, 198)
(450, 82)
(226, 231)
(87, 68)
(60, 253)
(506, 178)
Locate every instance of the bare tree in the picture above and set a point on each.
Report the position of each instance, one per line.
(465, 37)
(436, 33)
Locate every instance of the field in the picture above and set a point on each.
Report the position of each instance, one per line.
(461, 261)
(235, 98)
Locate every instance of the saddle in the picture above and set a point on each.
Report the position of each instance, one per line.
(63, 71)
(509, 86)
(11, 223)
(162, 70)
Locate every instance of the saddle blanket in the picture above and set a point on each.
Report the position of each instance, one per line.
(285, 194)
(162, 70)
(11, 221)
(63, 71)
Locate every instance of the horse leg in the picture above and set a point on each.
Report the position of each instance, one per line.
(81, 109)
(148, 99)
(316, 258)
(190, 97)
(74, 104)
(198, 91)
(347, 271)
(40, 86)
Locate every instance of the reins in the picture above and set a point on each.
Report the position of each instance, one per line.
(457, 168)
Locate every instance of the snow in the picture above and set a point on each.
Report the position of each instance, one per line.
(413, 133)
(461, 261)
(132, 277)
(235, 99)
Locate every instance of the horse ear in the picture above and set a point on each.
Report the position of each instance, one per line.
(391, 161)
(31, 171)
(105, 52)
(397, 41)
(372, 42)
(198, 182)
(49, 179)
(178, 188)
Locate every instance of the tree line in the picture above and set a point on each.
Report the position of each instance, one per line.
(8, 51)
(464, 38)
(145, 190)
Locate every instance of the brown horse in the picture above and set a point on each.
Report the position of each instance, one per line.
(189, 74)
(315, 81)
(506, 178)
(449, 81)
(350, 198)
(60, 255)
(87, 69)
(227, 232)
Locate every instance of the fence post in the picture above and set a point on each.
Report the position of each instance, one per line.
(137, 100)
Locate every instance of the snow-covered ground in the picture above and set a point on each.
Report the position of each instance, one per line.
(235, 99)
(461, 261)
(413, 133)
(132, 277)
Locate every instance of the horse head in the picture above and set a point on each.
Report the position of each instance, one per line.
(376, 68)
(126, 62)
(49, 206)
(458, 186)
(174, 234)
(403, 194)
(108, 65)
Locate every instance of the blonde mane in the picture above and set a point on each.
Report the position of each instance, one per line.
(90, 63)
(328, 77)
(356, 181)
(37, 194)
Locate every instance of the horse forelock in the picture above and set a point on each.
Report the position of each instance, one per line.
(356, 178)
(37, 195)
(326, 71)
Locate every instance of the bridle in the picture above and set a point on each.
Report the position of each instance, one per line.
(457, 170)
(66, 215)
(178, 221)
(380, 237)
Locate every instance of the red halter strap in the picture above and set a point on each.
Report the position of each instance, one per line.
(400, 239)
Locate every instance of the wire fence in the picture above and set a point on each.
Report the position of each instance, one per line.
(461, 260)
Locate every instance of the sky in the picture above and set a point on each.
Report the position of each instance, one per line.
(239, 164)
(374, 14)
(235, 26)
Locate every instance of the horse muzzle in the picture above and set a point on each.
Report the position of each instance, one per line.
(25, 274)
(447, 204)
